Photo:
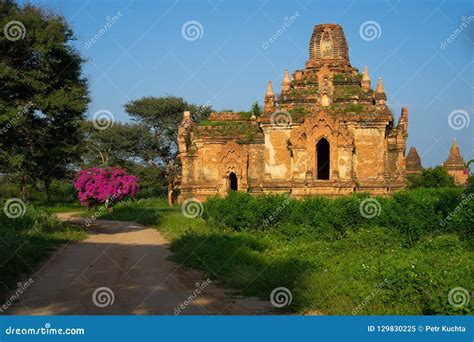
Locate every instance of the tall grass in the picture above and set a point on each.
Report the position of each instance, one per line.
(28, 240)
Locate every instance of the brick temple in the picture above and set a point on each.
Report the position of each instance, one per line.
(327, 132)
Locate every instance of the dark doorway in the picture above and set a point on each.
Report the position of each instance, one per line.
(322, 156)
(232, 181)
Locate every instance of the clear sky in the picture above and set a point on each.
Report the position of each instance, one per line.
(228, 63)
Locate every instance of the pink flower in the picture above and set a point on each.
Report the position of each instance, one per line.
(95, 186)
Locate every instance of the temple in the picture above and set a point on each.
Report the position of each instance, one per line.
(413, 162)
(456, 166)
(327, 132)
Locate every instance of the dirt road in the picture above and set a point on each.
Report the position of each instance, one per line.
(122, 269)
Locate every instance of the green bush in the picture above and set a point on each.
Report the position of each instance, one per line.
(412, 212)
(28, 239)
(432, 178)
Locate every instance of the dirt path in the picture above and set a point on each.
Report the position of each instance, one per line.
(126, 265)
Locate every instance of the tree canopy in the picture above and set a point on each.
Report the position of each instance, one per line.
(43, 96)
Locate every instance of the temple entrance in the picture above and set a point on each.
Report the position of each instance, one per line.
(322, 159)
(232, 182)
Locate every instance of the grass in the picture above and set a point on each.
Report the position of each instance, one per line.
(364, 270)
(29, 240)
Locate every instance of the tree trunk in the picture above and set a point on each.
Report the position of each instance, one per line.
(170, 194)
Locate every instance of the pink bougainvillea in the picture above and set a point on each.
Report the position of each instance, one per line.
(97, 186)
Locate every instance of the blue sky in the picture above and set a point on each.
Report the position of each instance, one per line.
(144, 53)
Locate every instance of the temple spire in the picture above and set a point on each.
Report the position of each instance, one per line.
(413, 162)
(365, 79)
(269, 89)
(455, 165)
(454, 153)
(269, 102)
(380, 86)
(380, 96)
(285, 84)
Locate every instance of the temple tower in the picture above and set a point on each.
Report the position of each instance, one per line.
(413, 162)
(456, 166)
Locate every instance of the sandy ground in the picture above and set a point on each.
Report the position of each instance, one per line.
(131, 261)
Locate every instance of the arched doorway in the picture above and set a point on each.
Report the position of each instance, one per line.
(232, 182)
(322, 159)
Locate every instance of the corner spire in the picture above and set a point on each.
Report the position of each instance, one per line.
(269, 102)
(365, 79)
(269, 89)
(285, 84)
(380, 86)
(380, 96)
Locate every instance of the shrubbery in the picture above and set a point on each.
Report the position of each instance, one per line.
(411, 254)
(412, 212)
(97, 186)
(28, 239)
(431, 178)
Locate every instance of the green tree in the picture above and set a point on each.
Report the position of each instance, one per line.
(432, 178)
(43, 97)
(162, 116)
(256, 109)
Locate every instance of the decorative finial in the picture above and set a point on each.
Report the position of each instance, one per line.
(269, 101)
(365, 74)
(269, 89)
(365, 79)
(285, 84)
(380, 86)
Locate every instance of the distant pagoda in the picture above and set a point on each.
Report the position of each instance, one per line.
(413, 162)
(456, 166)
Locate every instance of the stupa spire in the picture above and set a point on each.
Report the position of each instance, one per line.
(285, 84)
(380, 86)
(269, 102)
(365, 79)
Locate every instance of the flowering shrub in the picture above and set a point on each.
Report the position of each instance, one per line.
(97, 186)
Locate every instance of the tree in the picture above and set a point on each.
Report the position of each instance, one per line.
(43, 97)
(432, 178)
(162, 116)
(119, 144)
(107, 186)
(256, 109)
